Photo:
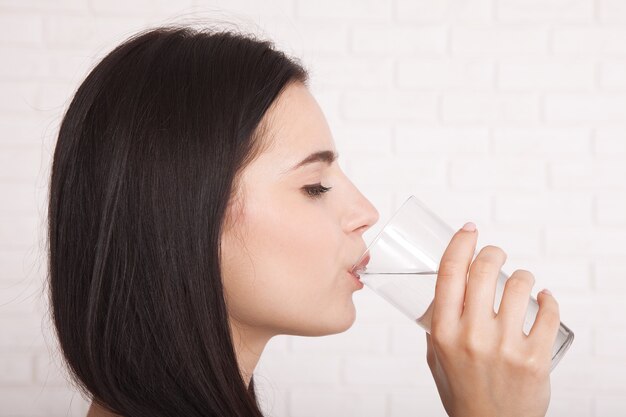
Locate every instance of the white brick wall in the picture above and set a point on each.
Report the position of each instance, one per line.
(509, 113)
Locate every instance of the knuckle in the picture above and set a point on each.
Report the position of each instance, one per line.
(524, 275)
(450, 267)
(552, 316)
(519, 284)
(482, 266)
(493, 252)
(523, 361)
(474, 345)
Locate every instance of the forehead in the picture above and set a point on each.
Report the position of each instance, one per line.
(295, 127)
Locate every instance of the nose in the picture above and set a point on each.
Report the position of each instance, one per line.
(363, 214)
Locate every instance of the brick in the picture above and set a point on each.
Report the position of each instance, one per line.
(609, 404)
(441, 140)
(417, 172)
(21, 333)
(336, 401)
(518, 241)
(454, 207)
(580, 241)
(426, 402)
(69, 65)
(21, 29)
(609, 276)
(48, 402)
(609, 242)
(613, 75)
(560, 276)
(351, 9)
(611, 11)
(301, 368)
(489, 108)
(87, 31)
(21, 299)
(19, 97)
(611, 208)
(499, 41)
(568, 378)
(572, 405)
(28, 130)
(427, 40)
(20, 233)
(374, 310)
(386, 105)
(610, 141)
(589, 41)
(56, 96)
(587, 173)
(318, 39)
(576, 108)
(355, 140)
(549, 10)
(50, 371)
(353, 72)
(408, 338)
(502, 173)
(541, 141)
(610, 342)
(21, 198)
(16, 368)
(610, 378)
(565, 208)
(445, 74)
(387, 371)
(122, 7)
(46, 5)
(17, 264)
(554, 75)
(446, 11)
(568, 240)
(279, 343)
(21, 164)
(21, 63)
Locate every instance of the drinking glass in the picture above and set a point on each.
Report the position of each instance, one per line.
(402, 262)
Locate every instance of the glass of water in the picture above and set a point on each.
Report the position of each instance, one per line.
(401, 266)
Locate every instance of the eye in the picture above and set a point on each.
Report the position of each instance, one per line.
(316, 190)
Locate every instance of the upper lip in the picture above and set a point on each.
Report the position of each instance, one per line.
(360, 267)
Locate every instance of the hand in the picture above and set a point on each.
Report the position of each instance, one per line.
(483, 364)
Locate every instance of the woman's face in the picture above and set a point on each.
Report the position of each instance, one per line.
(286, 258)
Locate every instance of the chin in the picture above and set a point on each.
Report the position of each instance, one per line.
(337, 322)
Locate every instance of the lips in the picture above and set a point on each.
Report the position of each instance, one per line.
(360, 267)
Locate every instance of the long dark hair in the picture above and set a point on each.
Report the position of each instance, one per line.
(145, 166)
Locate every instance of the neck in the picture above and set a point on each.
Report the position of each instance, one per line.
(249, 344)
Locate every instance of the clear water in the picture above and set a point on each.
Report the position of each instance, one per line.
(412, 293)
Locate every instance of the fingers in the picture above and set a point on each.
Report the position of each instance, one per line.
(451, 278)
(481, 283)
(515, 299)
(545, 330)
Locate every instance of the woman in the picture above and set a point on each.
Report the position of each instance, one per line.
(197, 209)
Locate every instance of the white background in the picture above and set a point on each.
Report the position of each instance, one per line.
(508, 113)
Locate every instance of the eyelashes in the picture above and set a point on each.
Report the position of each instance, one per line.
(316, 190)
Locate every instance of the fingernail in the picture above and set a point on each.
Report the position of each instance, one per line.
(469, 227)
(546, 291)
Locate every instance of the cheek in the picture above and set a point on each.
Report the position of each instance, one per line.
(289, 270)
(296, 248)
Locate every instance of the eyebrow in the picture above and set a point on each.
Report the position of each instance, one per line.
(322, 156)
